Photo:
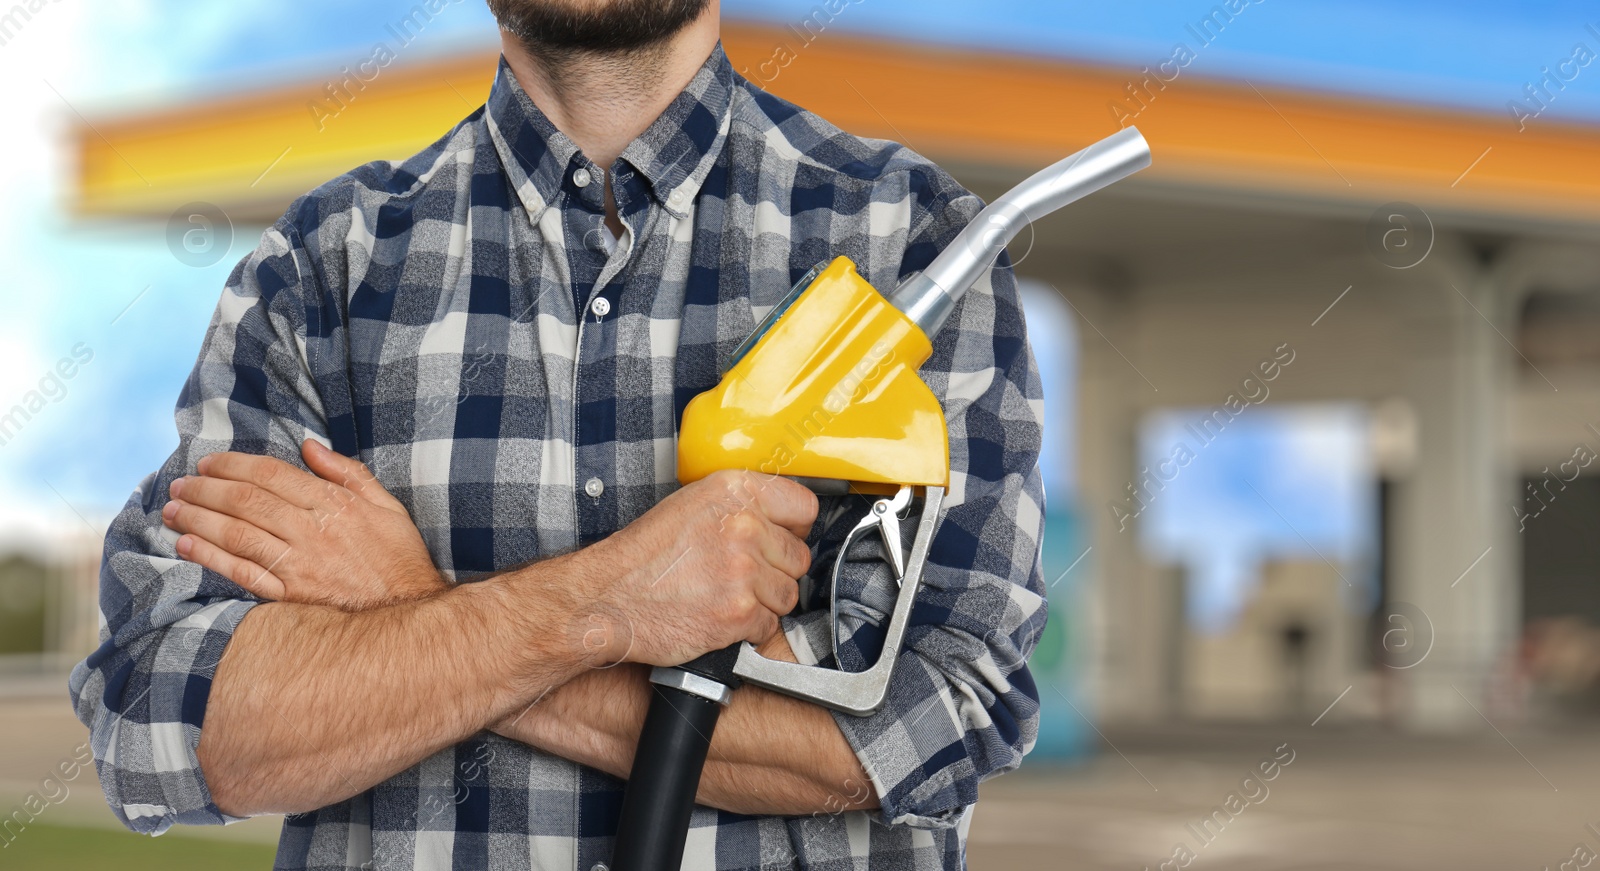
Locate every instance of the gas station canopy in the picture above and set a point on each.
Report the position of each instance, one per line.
(252, 153)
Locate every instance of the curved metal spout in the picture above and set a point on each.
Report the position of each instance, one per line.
(928, 297)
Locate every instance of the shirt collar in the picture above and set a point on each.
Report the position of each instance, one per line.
(674, 154)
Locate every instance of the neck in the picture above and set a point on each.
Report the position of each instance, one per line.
(602, 102)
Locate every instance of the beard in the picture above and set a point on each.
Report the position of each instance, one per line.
(562, 27)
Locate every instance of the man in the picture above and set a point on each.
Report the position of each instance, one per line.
(505, 329)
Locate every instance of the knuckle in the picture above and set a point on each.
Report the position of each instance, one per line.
(322, 519)
(725, 510)
(740, 485)
(800, 554)
(248, 575)
(740, 565)
(265, 472)
(236, 540)
(196, 488)
(188, 518)
(255, 500)
(747, 609)
(798, 496)
(808, 501)
(329, 491)
(742, 527)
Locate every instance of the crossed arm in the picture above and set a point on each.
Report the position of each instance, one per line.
(366, 661)
(770, 755)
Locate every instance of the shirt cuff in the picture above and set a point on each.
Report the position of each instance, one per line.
(913, 748)
(149, 753)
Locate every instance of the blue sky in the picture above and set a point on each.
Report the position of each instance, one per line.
(1279, 481)
(1470, 54)
(66, 282)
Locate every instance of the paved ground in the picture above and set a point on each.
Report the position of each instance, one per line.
(1349, 801)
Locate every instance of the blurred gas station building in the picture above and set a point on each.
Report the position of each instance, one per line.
(1324, 382)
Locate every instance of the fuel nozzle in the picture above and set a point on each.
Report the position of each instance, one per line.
(826, 390)
(929, 296)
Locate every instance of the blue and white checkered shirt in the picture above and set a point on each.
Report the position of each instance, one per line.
(457, 323)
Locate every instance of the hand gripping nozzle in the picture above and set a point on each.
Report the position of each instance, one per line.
(863, 692)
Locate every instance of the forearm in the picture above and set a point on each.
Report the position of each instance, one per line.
(771, 755)
(312, 705)
(776, 755)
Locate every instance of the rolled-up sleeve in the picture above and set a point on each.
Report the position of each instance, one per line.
(962, 705)
(164, 621)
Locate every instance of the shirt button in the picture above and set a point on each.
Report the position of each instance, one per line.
(600, 866)
(676, 198)
(594, 487)
(581, 178)
(601, 306)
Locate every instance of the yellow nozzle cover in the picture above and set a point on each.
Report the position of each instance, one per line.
(831, 390)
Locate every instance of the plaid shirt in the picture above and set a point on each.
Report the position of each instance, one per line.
(456, 322)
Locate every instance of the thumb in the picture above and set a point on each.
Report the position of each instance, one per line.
(330, 465)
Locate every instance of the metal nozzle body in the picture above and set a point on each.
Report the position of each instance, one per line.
(929, 296)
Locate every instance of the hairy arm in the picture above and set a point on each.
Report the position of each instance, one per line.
(312, 704)
(771, 754)
(375, 630)
(367, 662)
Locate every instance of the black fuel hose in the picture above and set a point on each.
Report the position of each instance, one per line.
(659, 798)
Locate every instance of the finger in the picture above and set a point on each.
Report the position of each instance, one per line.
(254, 579)
(294, 486)
(777, 592)
(784, 552)
(763, 626)
(235, 536)
(785, 503)
(241, 501)
(347, 472)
